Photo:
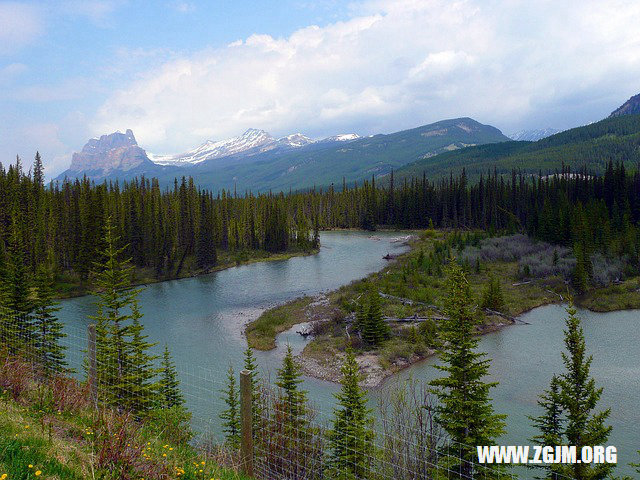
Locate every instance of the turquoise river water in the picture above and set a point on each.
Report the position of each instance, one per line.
(201, 320)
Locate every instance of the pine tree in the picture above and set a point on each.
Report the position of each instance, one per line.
(579, 398)
(16, 327)
(170, 394)
(251, 365)
(288, 379)
(464, 411)
(47, 327)
(374, 330)
(351, 438)
(361, 317)
(141, 372)
(550, 425)
(492, 297)
(231, 415)
(119, 338)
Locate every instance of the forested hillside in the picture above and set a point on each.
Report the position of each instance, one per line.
(593, 146)
(165, 230)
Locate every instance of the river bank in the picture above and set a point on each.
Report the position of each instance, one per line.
(413, 292)
(69, 285)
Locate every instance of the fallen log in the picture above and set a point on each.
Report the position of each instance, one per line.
(413, 319)
(504, 315)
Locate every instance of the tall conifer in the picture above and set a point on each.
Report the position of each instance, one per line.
(464, 411)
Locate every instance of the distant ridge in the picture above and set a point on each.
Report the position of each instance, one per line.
(592, 146)
(630, 107)
(258, 162)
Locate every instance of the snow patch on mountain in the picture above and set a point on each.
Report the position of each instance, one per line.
(533, 135)
(251, 142)
(251, 139)
(343, 137)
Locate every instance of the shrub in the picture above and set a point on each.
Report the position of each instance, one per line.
(492, 297)
(14, 375)
(535, 259)
(171, 424)
(606, 270)
(68, 395)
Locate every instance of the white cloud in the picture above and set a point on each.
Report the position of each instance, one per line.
(12, 71)
(20, 24)
(393, 65)
(97, 11)
(183, 7)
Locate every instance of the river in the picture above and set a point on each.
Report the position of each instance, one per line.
(201, 320)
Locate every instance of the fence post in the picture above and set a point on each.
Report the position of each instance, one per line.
(246, 423)
(93, 366)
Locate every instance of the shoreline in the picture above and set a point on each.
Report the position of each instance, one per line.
(218, 268)
(376, 376)
(321, 357)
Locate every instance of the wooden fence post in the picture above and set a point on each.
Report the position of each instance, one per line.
(246, 423)
(93, 365)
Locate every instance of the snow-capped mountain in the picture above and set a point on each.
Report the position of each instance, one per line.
(260, 162)
(251, 142)
(343, 137)
(295, 140)
(533, 135)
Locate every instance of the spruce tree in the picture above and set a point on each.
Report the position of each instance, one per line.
(464, 411)
(550, 426)
(170, 394)
(374, 330)
(251, 365)
(47, 327)
(492, 297)
(140, 368)
(351, 438)
(361, 318)
(231, 415)
(579, 398)
(119, 336)
(288, 379)
(17, 325)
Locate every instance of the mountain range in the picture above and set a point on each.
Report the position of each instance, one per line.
(259, 162)
(533, 135)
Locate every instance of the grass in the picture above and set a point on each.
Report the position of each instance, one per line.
(406, 279)
(622, 296)
(261, 333)
(46, 435)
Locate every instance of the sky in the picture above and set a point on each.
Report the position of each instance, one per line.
(181, 72)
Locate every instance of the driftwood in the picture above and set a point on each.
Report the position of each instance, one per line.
(555, 293)
(407, 301)
(521, 283)
(504, 315)
(413, 319)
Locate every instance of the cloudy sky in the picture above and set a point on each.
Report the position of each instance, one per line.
(181, 72)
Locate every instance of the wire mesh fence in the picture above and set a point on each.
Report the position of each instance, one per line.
(277, 438)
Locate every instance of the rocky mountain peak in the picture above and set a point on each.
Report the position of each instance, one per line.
(116, 151)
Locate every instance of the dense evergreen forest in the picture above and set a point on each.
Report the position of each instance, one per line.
(60, 225)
